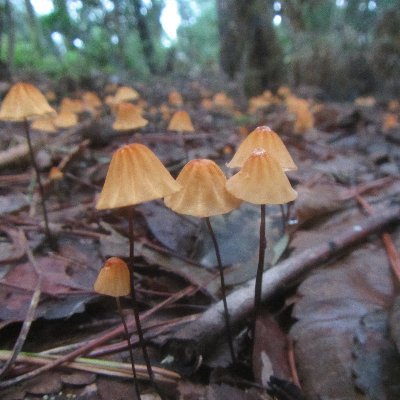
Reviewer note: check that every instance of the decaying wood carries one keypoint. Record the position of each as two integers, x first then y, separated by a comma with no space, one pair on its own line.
209,327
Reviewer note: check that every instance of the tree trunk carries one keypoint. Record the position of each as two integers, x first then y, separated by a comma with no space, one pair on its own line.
10,25
34,28
248,43
145,37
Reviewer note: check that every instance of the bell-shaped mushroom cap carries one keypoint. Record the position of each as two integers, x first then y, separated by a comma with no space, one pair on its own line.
125,93
265,138
135,175
113,279
65,119
44,124
128,117
24,101
261,181
91,101
72,105
203,193
180,122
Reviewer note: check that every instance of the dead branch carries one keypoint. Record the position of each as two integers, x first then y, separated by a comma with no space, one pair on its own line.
209,327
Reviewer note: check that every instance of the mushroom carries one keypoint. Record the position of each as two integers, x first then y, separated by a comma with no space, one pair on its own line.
23,102
128,117
263,137
203,194
261,181
180,122
65,119
135,175
113,280
125,93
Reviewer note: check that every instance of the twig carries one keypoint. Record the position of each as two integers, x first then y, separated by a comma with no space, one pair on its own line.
30,315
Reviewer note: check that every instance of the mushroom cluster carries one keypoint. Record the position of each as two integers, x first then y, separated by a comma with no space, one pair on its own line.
136,175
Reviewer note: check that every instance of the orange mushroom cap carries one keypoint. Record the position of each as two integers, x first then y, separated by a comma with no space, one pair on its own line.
135,175
180,122
65,119
261,181
44,124
203,193
175,98
24,101
128,117
113,279
125,93
72,105
265,138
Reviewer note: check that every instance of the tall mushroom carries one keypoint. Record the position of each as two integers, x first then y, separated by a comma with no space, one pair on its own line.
261,181
113,280
203,194
22,103
135,175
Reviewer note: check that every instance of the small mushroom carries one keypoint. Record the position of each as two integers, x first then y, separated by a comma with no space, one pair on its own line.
261,181
263,137
113,280
129,117
23,102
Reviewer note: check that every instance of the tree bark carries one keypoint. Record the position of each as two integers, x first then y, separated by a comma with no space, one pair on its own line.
248,43
34,28
145,37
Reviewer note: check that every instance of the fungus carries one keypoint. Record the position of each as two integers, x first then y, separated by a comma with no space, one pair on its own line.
44,124
203,195
91,101
125,93
263,137
23,102
181,123
113,280
128,117
261,181
72,105
175,98
135,175
65,119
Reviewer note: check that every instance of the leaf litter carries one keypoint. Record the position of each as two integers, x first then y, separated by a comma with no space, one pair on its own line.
341,316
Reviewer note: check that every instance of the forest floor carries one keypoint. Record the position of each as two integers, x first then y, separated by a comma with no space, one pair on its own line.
330,320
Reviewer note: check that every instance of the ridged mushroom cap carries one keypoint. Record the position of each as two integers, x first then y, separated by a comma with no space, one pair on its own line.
261,181
24,101
113,279
203,192
128,117
135,175
265,138
180,122
125,93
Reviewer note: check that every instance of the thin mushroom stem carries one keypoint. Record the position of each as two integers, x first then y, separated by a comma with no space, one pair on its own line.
223,290
135,379
135,307
49,237
260,267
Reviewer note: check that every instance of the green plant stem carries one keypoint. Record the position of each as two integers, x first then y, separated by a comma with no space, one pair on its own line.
52,243
135,380
134,301
260,267
223,290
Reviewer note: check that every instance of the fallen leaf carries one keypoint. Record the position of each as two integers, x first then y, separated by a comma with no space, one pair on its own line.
333,301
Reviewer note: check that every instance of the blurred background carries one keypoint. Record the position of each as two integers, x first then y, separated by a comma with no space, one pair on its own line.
339,49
